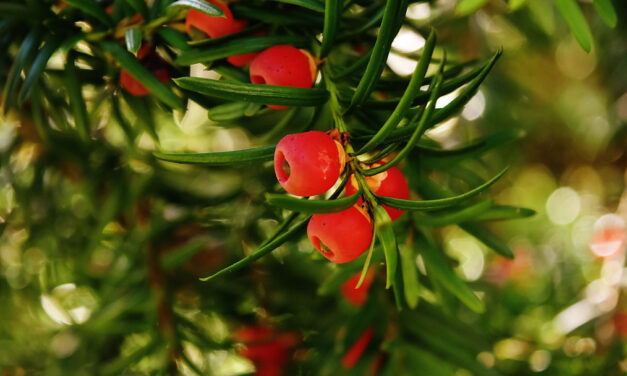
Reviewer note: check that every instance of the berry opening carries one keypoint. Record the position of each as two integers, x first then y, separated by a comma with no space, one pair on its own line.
257,80
283,173
320,246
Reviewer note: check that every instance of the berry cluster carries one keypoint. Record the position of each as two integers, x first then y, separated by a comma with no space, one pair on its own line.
309,164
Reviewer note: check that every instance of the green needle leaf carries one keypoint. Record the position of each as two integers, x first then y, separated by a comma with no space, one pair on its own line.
332,16
412,90
469,213
487,238
38,66
312,206
236,47
77,102
200,5
438,203
27,49
265,94
411,286
394,11
141,74
576,22
606,11
133,39
385,233
437,266
262,251
228,158
499,213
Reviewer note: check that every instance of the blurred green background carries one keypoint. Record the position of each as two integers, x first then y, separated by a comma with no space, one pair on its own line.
70,293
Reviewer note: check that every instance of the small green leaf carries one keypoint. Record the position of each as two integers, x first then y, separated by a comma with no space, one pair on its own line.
228,111
516,4
38,66
385,233
437,266
394,11
92,8
179,256
499,213
438,203
410,275
133,39
236,47
466,7
228,158
412,90
265,94
312,206
27,50
332,16
606,11
174,38
262,251
77,102
466,214
308,4
200,5
141,74
576,22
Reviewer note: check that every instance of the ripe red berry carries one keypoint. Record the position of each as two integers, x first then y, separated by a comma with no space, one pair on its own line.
283,66
389,183
309,163
343,236
215,27
269,351
357,297
351,357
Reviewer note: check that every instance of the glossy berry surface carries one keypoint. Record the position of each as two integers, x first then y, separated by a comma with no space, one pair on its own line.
214,27
309,163
352,356
343,236
389,183
357,297
283,65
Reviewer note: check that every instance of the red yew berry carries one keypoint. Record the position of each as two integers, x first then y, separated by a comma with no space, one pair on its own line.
389,183
351,357
270,352
357,297
343,236
283,66
215,27
309,163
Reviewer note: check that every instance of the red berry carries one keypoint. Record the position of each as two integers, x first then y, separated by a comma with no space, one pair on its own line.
389,183
309,163
283,66
215,27
357,297
130,84
351,357
343,236
267,350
